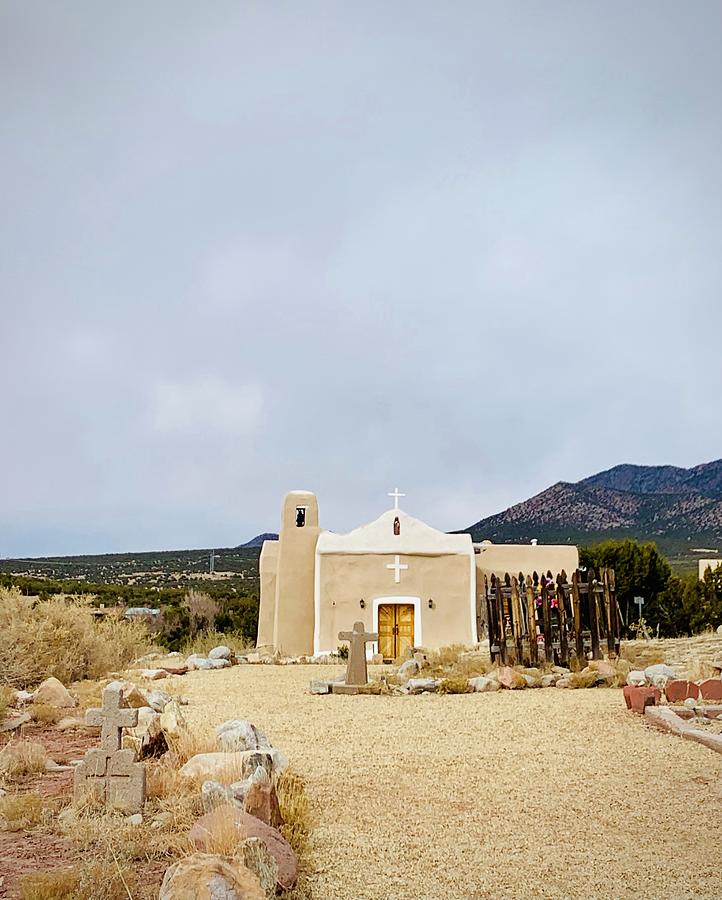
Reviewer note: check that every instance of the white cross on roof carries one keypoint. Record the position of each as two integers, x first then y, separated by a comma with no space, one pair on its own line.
396,494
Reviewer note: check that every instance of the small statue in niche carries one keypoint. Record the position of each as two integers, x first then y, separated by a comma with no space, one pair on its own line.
397,526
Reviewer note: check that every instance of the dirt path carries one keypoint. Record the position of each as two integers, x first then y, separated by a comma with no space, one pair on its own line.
537,793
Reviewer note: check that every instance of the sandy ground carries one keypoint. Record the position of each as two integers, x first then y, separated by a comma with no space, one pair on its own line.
536,793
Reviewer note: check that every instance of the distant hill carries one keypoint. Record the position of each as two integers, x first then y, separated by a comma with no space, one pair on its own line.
680,509
258,540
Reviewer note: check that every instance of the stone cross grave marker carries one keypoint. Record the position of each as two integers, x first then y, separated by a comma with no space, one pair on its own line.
108,773
356,671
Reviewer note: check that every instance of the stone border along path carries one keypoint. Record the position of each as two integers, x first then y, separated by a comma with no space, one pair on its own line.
515,794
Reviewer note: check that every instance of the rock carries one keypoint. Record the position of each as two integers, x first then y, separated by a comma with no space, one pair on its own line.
636,678
531,681
219,663
259,859
511,679
203,876
68,723
420,685
253,657
215,794
262,802
550,680
659,674
175,670
565,681
483,685
229,767
154,674
14,721
53,693
711,689
560,670
240,734
638,698
220,652
23,696
135,697
606,669
195,661
153,742
158,700
204,830
171,719
135,819
678,689
320,686
409,669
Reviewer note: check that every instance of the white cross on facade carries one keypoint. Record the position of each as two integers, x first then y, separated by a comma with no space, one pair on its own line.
397,566
396,494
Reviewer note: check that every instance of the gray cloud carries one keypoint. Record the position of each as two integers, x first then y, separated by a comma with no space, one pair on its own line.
467,249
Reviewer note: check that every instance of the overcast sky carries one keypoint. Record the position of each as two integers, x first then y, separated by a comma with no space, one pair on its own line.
469,249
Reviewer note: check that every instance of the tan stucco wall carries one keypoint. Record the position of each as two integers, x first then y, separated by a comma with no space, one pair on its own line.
267,568
498,559
343,580
294,612
705,564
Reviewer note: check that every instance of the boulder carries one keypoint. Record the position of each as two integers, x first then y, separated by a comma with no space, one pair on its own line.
220,652
203,876
320,686
262,802
230,767
483,685
171,719
550,680
420,685
219,663
195,661
175,670
153,742
636,678
711,689
15,721
215,794
203,832
53,693
564,681
606,669
659,674
531,681
154,674
135,697
511,679
259,859
408,669
23,696
678,689
240,734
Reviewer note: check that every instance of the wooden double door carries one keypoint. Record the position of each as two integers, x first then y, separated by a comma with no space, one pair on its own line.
396,629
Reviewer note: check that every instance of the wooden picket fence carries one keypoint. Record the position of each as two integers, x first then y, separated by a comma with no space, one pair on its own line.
533,619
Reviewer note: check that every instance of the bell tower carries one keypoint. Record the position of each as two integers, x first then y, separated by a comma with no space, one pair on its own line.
294,613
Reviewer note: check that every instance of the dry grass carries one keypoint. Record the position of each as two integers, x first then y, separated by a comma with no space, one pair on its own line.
60,637
7,695
297,828
188,742
21,758
91,880
209,638
691,657
19,812
454,685
44,714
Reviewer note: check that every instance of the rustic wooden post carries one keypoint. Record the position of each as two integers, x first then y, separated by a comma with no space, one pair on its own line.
609,611
531,621
618,611
547,621
490,618
593,615
561,609
499,597
577,600
518,620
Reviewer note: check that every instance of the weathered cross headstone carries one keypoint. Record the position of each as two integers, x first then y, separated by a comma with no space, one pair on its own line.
108,773
356,671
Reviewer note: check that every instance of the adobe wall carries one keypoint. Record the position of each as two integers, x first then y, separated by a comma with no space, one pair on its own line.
267,569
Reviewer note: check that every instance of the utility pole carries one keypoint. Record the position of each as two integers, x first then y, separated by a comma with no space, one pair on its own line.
212,562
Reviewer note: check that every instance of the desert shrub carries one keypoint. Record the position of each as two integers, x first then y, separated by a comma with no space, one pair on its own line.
20,811
44,714
202,610
6,700
60,637
206,640
454,685
20,758
297,827
342,651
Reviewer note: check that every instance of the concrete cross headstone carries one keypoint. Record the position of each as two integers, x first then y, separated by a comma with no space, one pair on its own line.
108,773
356,671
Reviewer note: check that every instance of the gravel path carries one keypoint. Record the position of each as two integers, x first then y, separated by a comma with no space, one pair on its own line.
536,793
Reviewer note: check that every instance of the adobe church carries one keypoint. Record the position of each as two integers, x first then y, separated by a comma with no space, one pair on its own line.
414,585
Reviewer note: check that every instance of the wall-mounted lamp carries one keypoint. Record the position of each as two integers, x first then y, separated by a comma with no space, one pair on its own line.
431,603
362,604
